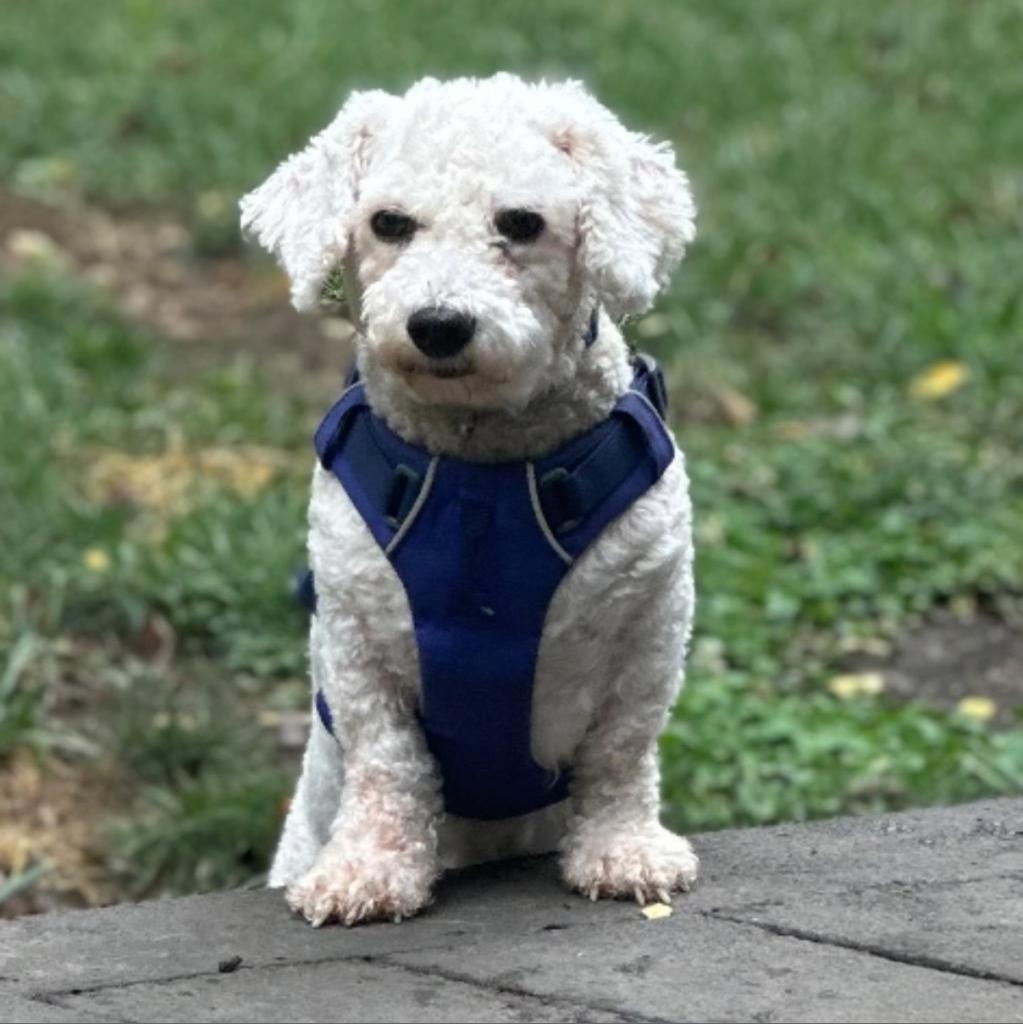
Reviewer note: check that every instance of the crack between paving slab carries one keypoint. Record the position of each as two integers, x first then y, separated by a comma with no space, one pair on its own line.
893,883
946,883
51,996
52,999
60,998
100,986
516,990
932,963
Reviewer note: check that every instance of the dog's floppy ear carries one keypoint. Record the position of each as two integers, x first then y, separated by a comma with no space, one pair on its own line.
302,213
637,214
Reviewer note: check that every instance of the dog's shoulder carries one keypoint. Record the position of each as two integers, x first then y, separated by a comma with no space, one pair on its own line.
641,560
652,532
342,549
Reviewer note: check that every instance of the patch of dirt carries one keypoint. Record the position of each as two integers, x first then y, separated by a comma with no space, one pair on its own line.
950,657
47,815
147,263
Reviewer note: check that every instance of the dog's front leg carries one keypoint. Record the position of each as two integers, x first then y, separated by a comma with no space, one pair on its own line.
615,844
380,861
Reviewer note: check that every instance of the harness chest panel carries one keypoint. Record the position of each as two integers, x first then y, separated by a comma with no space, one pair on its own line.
480,549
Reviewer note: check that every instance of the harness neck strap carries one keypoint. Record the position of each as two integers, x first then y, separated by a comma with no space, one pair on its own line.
571,482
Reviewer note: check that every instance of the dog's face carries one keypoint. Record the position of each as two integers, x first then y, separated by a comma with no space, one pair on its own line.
463,242
478,223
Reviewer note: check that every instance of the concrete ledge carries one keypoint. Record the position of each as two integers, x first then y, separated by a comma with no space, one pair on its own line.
915,916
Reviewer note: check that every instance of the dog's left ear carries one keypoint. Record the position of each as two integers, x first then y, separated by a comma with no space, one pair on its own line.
637,213
302,213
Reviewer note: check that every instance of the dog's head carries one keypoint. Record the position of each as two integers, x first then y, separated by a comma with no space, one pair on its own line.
478,224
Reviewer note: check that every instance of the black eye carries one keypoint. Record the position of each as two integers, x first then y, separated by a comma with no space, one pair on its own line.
392,226
519,225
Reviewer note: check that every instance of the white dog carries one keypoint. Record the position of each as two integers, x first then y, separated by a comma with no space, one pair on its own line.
492,234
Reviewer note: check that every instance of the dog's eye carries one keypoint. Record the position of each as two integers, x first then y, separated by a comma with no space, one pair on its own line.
519,225
392,226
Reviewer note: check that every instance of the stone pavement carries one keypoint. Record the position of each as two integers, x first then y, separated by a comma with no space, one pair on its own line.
915,916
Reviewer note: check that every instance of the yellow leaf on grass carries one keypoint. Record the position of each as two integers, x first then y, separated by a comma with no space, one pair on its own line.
981,709
939,379
96,559
857,684
656,911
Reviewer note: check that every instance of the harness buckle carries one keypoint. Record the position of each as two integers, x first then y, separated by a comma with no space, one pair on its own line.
651,381
401,494
564,506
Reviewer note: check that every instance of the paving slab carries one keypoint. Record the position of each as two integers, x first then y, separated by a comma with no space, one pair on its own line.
350,990
916,917
941,887
694,968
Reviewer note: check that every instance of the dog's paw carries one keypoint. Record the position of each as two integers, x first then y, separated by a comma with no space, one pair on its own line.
645,866
353,890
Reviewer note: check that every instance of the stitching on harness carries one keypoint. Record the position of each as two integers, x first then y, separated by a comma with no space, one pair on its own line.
534,500
417,505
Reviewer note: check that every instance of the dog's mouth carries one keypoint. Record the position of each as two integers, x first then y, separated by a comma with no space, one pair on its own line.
460,383
440,371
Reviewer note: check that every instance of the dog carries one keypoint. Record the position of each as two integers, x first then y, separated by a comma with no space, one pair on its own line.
492,660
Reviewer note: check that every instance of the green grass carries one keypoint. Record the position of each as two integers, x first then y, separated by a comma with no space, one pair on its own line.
197,821
198,784
737,753
861,194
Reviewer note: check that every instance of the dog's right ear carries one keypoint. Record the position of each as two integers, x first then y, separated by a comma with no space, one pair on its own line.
302,213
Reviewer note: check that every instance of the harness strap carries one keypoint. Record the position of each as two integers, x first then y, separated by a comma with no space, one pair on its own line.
304,590
571,483
569,496
569,493
391,484
649,382
323,711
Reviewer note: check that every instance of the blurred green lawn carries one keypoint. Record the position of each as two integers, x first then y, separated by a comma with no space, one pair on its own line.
859,170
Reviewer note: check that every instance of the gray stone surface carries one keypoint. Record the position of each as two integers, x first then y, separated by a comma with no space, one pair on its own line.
349,990
917,916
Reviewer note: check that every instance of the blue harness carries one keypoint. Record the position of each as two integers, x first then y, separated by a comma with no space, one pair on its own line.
480,549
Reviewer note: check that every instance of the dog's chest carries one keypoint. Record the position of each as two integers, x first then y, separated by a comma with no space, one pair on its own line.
478,577
464,602
479,551
369,622
474,562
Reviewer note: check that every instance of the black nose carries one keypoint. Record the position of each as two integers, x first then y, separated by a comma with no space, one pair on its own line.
439,331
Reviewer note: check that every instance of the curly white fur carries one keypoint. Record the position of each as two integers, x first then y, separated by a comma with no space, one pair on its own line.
367,836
